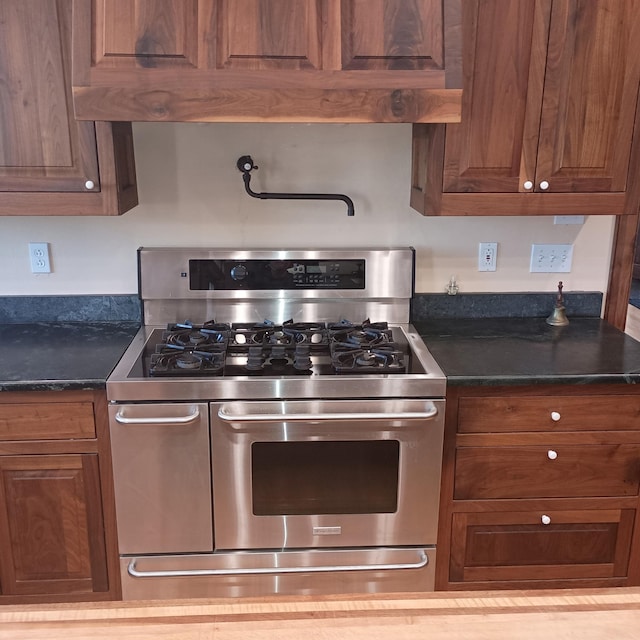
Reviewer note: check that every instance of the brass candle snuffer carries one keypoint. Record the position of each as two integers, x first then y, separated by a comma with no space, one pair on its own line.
558,317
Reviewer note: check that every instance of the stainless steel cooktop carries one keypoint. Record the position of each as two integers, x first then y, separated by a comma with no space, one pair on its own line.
224,324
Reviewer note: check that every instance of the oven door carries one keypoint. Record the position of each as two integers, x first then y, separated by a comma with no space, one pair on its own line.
162,477
326,473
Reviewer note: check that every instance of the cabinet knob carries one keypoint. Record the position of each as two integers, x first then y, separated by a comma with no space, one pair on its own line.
551,454
89,184
544,185
528,184
555,416
545,519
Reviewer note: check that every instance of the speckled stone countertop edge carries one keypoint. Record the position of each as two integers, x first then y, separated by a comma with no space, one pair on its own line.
53,385
513,381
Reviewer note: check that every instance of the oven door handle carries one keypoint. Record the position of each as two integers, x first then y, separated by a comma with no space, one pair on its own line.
421,561
191,417
226,416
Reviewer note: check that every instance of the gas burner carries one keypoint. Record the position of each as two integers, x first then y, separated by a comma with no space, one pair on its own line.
190,335
170,362
187,361
209,325
385,358
363,336
365,324
187,337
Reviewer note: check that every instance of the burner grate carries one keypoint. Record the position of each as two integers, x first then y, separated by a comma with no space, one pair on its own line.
286,349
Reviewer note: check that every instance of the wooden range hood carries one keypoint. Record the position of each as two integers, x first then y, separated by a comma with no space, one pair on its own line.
267,60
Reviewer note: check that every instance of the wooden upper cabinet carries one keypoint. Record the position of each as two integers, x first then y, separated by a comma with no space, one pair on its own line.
548,114
268,60
51,163
590,87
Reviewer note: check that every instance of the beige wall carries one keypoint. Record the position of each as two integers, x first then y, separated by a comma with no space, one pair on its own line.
192,194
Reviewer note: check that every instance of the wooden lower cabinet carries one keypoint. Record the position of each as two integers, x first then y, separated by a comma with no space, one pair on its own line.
57,525
514,548
51,517
540,488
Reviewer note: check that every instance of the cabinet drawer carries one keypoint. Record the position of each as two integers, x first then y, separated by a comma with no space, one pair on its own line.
47,421
548,413
517,546
546,472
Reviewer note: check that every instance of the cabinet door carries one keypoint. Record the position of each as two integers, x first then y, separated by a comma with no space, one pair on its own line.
590,92
42,146
147,33
507,550
269,34
51,163
504,51
392,34
51,526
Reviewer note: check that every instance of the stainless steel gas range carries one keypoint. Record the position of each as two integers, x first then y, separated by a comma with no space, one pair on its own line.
276,426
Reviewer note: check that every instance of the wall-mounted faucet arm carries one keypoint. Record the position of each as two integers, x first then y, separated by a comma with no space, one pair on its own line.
245,164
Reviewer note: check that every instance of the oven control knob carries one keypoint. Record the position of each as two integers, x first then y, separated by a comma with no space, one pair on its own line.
239,272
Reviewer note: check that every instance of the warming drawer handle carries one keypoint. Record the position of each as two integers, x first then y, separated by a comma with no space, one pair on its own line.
297,417
422,561
122,419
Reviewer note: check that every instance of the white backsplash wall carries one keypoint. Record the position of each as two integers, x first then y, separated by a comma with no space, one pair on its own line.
192,194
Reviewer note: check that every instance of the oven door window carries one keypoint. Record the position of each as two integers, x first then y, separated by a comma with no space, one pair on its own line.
325,477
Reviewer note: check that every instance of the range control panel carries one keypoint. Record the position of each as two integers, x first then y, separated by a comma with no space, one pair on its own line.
261,275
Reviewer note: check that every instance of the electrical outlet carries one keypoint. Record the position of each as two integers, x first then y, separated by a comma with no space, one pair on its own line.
487,256
39,257
551,258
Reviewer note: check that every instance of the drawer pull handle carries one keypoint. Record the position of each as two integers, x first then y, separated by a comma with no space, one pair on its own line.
545,519
551,454
555,416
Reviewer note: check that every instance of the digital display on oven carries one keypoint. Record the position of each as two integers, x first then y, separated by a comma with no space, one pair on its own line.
230,275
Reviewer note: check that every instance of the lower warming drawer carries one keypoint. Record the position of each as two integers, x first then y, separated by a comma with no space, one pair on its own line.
253,574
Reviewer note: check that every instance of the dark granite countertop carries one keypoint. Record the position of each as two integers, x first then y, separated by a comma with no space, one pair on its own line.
498,351
54,356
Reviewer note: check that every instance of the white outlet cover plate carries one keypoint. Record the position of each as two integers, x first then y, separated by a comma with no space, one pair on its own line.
39,257
487,256
551,258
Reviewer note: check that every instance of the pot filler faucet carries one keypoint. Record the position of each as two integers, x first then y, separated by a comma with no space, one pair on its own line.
245,164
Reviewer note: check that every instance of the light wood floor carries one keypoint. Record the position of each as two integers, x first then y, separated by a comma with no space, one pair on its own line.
633,322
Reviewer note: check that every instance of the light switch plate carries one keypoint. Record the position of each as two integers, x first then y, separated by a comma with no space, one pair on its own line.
568,219
551,258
